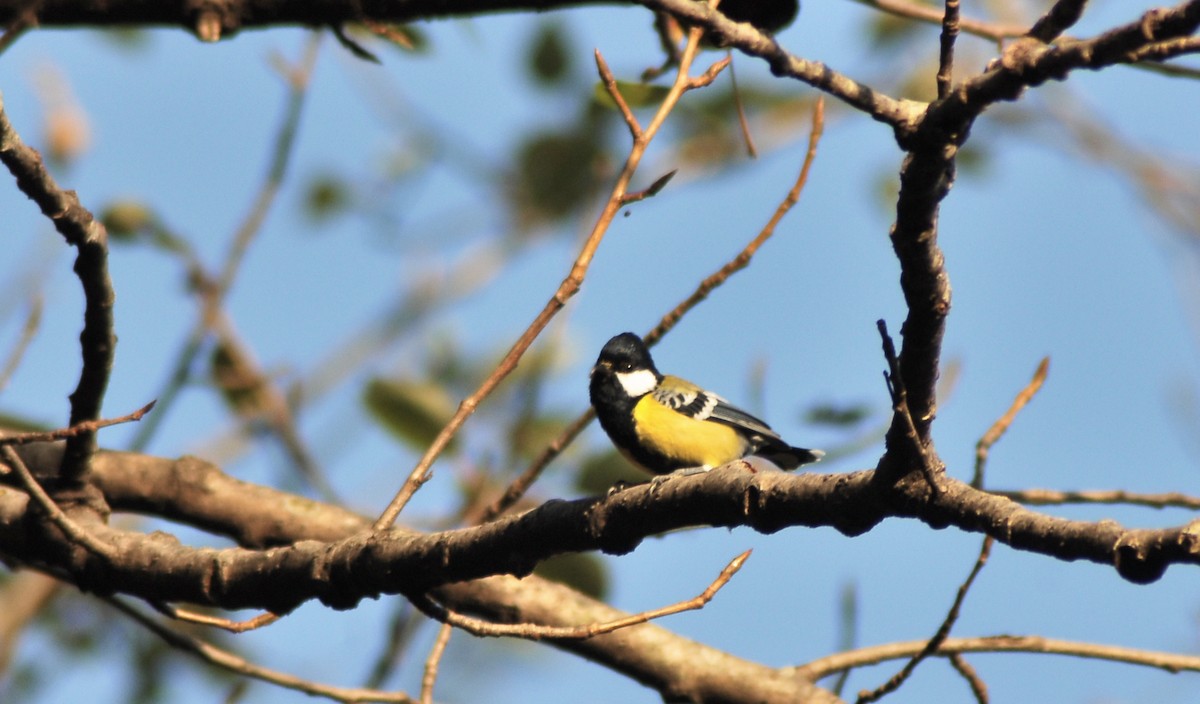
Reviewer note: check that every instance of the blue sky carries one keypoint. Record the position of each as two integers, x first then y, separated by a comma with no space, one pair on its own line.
1047,254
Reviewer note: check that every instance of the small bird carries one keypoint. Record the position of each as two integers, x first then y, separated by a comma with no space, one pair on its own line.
666,425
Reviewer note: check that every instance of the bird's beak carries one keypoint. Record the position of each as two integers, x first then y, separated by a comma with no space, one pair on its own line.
603,363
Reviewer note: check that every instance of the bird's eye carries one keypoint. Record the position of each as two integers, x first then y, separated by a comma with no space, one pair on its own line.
626,366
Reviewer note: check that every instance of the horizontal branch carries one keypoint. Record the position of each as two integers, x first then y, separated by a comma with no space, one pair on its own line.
838,662
340,571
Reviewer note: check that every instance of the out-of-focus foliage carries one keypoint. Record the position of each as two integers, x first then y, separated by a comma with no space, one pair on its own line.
584,572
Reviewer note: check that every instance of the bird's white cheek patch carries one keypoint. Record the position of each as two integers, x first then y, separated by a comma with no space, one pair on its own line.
637,383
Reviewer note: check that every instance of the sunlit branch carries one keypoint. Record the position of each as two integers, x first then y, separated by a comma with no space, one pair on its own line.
938,638
89,426
260,621
1000,427
569,286
740,261
238,665
75,532
429,676
533,631
873,655
950,27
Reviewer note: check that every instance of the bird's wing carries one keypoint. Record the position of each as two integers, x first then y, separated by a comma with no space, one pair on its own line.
694,402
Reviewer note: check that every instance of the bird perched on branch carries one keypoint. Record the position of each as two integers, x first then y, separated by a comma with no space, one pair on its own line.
665,424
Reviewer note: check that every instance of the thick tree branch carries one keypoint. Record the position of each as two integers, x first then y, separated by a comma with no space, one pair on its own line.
346,570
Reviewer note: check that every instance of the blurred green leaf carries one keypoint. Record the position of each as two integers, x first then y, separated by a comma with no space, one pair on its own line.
973,159
837,415
126,220
529,436
126,38
549,57
636,94
600,471
237,381
886,31
583,572
325,196
413,411
408,38
557,172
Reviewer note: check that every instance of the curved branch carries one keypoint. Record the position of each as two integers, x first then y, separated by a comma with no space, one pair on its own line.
1171,662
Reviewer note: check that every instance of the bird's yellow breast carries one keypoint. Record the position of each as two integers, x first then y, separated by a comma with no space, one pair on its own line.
683,439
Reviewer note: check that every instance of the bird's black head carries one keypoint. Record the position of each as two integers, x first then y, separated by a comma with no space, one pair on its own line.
625,353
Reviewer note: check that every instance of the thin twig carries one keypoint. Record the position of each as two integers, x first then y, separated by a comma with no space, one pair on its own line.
532,631
976,683
1053,497
33,320
569,286
651,190
70,528
238,665
873,655
89,426
938,638
213,289
994,433
429,676
260,621
742,260
848,631
896,389
610,85
945,74
998,32
522,483
743,122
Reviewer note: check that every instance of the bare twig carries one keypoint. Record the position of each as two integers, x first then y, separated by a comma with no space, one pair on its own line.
950,22
978,687
569,286
32,321
651,190
848,629
213,289
83,231
429,676
260,621
901,411
938,638
520,485
994,433
743,122
998,32
70,528
89,426
1052,497
532,631
238,665
610,86
873,655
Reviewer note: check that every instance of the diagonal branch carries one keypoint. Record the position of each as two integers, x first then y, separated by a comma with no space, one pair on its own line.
569,286
98,340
